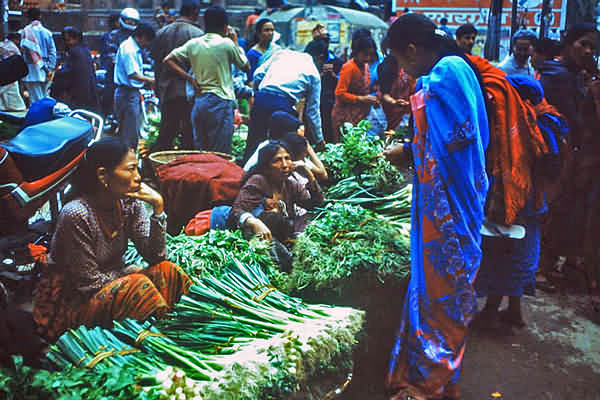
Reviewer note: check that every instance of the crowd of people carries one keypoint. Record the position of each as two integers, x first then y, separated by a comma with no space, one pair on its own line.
492,147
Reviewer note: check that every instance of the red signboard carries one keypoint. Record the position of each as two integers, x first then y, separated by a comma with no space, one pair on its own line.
476,12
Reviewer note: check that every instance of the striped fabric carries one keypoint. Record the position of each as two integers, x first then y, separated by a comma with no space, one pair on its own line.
140,295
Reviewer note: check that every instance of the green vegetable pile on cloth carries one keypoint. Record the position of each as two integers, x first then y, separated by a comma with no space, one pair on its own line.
345,244
225,333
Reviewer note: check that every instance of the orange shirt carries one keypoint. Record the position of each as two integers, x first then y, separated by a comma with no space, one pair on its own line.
352,79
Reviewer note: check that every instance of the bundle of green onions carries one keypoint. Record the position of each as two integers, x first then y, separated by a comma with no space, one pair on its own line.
397,204
218,334
98,348
215,318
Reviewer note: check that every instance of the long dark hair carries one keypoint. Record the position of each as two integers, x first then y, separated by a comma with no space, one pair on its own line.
258,28
265,155
419,30
107,152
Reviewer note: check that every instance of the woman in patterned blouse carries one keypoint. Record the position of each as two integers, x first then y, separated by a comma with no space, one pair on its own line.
86,281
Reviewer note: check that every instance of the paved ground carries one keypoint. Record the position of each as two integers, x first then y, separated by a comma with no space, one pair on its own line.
556,357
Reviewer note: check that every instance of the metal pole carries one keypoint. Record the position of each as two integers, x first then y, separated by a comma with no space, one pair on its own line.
543,21
492,43
514,23
4,22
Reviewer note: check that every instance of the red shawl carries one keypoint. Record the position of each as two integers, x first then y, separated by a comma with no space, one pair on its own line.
516,143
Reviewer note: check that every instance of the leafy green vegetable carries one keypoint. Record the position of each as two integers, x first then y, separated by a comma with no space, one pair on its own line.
345,243
238,146
354,155
72,383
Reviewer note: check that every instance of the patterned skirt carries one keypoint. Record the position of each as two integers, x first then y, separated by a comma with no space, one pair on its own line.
151,292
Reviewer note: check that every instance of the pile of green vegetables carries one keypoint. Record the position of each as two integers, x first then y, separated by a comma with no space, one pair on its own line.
110,382
8,130
230,306
238,146
360,175
354,155
211,253
152,130
345,244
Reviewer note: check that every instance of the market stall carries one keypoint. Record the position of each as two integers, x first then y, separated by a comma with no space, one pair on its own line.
246,329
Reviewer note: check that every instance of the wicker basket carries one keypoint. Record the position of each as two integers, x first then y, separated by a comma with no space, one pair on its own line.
164,157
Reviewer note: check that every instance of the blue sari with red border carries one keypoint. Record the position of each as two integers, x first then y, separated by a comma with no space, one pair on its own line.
449,191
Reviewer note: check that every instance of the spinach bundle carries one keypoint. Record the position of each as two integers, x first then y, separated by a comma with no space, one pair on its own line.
346,243
210,253
355,154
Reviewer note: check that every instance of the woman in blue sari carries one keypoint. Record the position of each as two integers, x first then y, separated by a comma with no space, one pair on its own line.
263,47
449,190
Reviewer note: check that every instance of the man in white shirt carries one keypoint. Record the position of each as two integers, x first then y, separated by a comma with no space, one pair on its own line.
518,61
129,79
280,83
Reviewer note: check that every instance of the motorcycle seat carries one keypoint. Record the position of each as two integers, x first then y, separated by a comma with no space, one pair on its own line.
41,149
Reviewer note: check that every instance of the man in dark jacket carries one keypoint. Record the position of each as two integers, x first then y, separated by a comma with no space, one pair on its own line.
175,108
75,81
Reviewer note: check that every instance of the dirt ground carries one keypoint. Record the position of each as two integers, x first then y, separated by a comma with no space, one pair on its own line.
556,357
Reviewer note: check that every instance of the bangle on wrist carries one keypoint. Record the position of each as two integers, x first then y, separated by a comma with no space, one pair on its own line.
245,217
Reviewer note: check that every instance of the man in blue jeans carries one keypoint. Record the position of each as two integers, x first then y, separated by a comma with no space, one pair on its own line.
211,57
129,79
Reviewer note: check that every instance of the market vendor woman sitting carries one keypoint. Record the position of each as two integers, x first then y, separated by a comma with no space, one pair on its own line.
86,281
269,182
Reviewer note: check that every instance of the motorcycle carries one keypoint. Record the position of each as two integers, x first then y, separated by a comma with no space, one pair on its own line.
35,170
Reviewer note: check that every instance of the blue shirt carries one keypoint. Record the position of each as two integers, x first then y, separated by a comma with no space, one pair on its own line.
128,62
510,66
294,75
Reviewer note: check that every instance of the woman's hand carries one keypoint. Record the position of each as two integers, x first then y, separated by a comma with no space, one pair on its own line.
302,165
150,196
259,228
397,156
401,102
372,100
